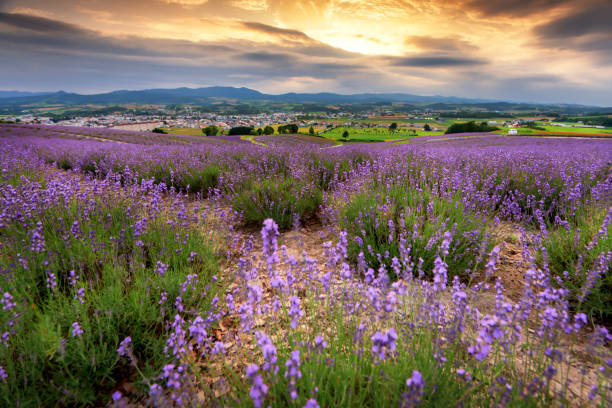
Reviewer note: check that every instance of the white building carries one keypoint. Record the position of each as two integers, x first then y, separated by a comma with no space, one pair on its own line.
512,131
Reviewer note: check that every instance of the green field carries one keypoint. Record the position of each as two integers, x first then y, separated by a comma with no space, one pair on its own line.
559,130
375,134
376,119
562,129
184,131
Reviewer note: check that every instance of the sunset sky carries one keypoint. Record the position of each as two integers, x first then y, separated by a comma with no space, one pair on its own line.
533,50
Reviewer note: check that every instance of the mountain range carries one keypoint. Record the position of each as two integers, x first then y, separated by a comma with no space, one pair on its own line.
205,95
216,94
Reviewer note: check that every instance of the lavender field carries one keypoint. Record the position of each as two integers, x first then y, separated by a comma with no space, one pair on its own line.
160,270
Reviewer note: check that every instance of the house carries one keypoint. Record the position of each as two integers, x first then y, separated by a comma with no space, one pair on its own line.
512,132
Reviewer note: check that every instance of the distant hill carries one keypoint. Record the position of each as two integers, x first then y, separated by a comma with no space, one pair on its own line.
210,94
220,94
17,94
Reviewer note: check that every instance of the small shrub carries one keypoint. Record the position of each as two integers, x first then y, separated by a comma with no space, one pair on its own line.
410,225
114,263
201,181
576,255
283,201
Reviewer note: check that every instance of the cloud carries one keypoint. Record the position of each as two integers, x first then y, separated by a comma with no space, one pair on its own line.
439,44
449,49
585,31
251,5
436,61
40,24
276,31
187,2
266,57
597,20
69,52
514,7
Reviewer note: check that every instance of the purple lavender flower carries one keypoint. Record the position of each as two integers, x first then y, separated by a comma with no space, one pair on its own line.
383,343
259,389
269,233
124,347
414,395
80,295
72,278
440,275
312,403
293,373
320,343
269,352
51,282
295,311
7,301
76,330
161,268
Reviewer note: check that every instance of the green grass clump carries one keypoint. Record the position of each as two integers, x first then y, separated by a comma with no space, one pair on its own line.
571,255
121,296
284,201
381,223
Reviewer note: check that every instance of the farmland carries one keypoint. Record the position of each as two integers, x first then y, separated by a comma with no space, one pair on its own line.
143,269
374,134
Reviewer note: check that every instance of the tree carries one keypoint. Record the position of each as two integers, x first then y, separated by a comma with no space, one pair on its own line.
345,135
393,127
210,130
268,130
470,127
427,128
311,131
288,129
159,130
259,131
240,130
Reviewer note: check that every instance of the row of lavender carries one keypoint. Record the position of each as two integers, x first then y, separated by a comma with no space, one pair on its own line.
85,263
340,333
465,185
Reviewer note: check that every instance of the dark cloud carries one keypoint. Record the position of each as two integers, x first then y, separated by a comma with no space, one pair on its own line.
39,24
40,34
49,55
542,79
585,31
514,7
266,57
336,67
93,58
276,31
299,42
435,61
597,20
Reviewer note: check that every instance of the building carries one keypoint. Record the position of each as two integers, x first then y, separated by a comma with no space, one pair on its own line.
512,131
140,126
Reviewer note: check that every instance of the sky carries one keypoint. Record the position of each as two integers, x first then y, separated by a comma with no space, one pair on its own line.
520,50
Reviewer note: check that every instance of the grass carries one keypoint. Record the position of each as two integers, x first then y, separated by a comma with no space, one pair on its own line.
559,130
406,205
285,201
571,257
375,134
184,131
116,268
409,225
572,129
